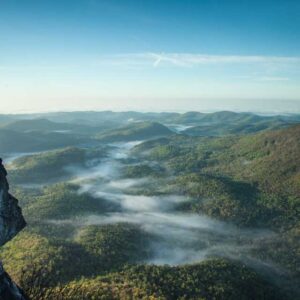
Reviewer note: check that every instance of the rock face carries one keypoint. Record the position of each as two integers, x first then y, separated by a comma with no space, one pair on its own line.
11,222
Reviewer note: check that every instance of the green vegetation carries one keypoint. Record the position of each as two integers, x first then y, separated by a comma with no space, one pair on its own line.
241,127
251,180
39,261
11,142
222,198
142,170
284,249
135,131
62,201
224,169
46,166
45,125
115,245
213,279
36,125
51,165
14,142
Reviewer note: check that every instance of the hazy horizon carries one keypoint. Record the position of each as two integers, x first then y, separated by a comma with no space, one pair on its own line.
149,56
255,106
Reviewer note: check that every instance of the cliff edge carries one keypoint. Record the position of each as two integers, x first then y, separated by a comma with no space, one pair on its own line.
11,222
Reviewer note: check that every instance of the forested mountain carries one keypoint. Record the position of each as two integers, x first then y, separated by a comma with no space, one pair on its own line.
46,126
15,142
141,209
136,131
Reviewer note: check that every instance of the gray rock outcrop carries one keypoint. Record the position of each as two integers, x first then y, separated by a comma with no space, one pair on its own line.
11,222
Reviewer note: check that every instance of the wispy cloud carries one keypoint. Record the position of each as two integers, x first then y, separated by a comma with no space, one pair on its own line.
177,60
191,59
186,59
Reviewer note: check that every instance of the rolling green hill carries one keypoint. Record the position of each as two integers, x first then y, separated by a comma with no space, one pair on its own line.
244,126
213,279
37,125
135,131
62,201
14,142
46,126
93,122
238,168
51,165
253,178
49,269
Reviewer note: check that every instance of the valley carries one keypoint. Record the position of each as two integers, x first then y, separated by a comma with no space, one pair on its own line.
206,202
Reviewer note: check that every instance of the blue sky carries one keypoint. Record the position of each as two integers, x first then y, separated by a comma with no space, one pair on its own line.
149,55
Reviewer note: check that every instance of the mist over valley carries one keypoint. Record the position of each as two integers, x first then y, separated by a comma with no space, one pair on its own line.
158,190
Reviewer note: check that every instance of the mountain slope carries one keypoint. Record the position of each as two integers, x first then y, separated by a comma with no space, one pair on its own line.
47,126
272,159
13,142
136,131
241,127
212,279
36,125
52,166
248,179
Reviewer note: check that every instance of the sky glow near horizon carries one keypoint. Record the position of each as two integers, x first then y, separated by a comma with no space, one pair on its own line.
149,55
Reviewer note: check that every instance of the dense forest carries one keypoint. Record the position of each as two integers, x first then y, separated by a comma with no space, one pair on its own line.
154,206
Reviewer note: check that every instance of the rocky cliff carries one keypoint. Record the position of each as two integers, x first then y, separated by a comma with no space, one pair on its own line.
11,222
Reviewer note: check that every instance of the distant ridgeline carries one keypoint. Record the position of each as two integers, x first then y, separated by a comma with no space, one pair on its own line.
11,222
40,132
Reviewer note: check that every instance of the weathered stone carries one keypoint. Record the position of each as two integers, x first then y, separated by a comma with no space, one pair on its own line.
11,222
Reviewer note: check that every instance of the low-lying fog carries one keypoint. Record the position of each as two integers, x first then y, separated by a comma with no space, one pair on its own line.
176,237
180,238
178,128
